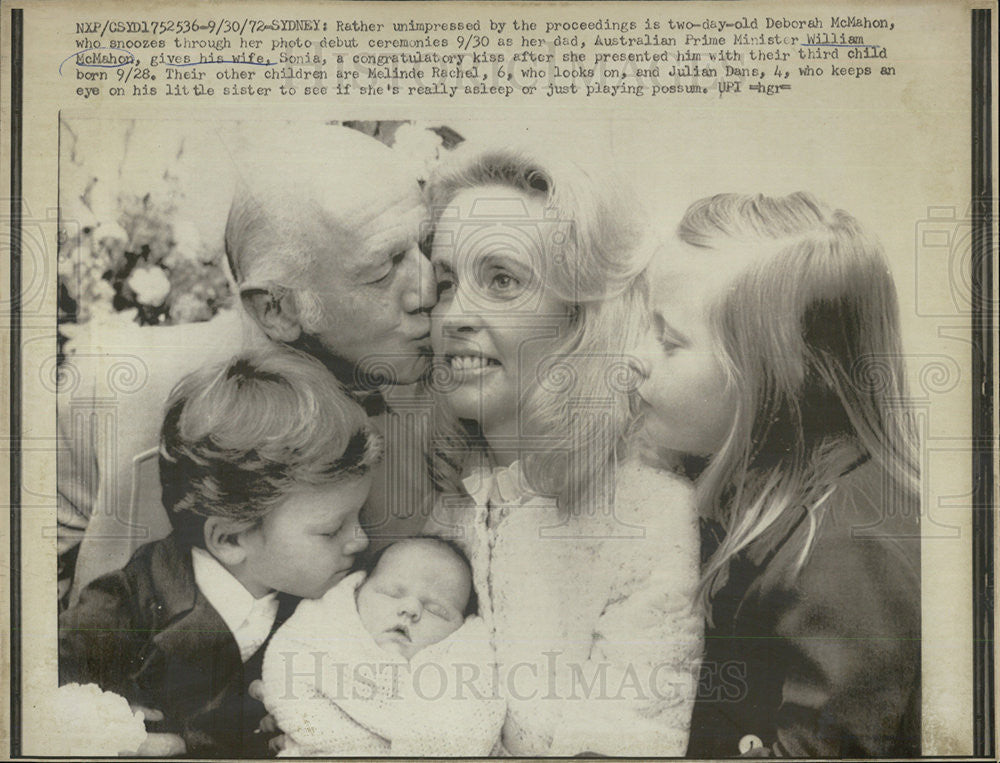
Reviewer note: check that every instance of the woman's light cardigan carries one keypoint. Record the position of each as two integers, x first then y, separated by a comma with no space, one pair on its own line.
591,616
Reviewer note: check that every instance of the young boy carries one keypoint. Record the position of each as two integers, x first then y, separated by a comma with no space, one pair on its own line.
264,465
393,663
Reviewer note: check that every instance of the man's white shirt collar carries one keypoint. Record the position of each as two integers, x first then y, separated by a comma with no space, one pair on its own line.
250,620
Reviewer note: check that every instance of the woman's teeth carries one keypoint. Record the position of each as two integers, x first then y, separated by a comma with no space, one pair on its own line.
471,362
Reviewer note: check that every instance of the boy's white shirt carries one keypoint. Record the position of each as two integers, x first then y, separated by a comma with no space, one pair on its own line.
249,619
323,711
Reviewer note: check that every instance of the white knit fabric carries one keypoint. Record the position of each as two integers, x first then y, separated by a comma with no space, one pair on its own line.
592,618
333,691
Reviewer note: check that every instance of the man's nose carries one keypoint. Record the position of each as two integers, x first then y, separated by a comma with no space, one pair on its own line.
420,289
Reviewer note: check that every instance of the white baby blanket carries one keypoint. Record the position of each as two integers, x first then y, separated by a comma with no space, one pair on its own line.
334,691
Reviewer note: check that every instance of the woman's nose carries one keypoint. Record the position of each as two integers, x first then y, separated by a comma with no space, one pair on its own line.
457,314
420,289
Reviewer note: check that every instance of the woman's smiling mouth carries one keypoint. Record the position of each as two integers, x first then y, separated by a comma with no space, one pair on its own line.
468,363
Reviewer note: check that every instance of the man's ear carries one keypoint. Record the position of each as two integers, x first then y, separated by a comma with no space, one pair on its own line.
274,312
226,540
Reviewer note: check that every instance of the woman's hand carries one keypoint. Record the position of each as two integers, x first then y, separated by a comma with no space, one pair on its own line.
277,744
268,726
158,744
256,690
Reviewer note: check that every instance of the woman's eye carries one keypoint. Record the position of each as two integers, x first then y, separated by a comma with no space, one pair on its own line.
504,282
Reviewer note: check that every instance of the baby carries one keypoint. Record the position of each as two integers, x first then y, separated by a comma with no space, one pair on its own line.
419,592
393,661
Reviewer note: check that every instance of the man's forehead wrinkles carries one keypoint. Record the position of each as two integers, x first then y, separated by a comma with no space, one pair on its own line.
390,231
405,211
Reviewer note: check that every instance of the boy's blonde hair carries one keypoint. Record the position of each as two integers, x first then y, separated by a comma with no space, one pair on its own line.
811,342
237,437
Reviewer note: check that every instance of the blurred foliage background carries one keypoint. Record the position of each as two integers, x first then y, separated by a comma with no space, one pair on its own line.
142,216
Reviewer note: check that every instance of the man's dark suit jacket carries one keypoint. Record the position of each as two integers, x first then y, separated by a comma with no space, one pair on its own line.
825,663
147,633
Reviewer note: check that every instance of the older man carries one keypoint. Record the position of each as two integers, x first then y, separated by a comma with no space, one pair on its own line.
323,239
326,256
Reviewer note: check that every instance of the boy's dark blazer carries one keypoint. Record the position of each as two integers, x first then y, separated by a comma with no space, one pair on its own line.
148,633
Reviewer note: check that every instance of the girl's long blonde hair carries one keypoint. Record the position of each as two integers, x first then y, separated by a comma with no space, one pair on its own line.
575,416
811,342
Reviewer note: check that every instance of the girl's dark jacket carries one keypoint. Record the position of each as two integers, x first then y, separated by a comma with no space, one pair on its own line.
825,662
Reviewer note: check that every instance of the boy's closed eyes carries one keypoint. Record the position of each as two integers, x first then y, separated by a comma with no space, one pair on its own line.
307,544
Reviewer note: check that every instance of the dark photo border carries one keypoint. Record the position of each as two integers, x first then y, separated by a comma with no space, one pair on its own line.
16,86
984,445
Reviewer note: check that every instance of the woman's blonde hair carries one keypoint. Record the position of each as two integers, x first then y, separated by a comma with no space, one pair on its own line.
811,342
576,413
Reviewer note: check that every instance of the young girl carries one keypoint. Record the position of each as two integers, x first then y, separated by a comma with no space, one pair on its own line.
779,363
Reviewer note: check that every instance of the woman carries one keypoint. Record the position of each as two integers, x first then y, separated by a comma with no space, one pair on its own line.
584,553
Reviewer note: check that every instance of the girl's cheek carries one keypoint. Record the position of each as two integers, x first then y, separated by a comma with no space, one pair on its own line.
662,387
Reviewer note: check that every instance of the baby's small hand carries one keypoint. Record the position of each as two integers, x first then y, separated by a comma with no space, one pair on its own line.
157,744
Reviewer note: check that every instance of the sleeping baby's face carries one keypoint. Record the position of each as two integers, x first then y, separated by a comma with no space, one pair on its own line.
415,596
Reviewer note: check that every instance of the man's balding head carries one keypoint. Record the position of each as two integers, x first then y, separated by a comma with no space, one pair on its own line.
322,238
